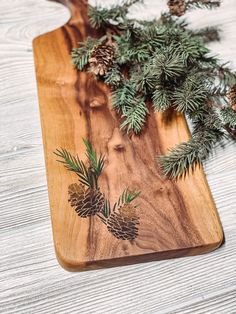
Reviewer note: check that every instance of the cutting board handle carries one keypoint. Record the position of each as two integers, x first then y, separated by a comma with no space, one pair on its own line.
78,10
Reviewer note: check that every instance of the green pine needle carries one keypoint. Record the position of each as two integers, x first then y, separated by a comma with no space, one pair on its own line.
203,4
96,163
135,116
101,17
87,175
228,116
191,99
124,96
126,197
188,155
73,163
180,159
81,55
168,65
114,77
162,98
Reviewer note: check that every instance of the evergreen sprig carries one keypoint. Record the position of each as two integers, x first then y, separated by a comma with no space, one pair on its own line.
188,155
80,56
88,175
166,63
97,163
203,4
228,115
135,116
102,17
126,197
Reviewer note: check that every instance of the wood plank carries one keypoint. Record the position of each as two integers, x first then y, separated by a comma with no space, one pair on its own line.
176,219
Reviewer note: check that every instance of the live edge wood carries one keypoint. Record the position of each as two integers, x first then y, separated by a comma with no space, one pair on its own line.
176,218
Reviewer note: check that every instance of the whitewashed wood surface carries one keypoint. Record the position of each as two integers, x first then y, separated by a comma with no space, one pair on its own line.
31,281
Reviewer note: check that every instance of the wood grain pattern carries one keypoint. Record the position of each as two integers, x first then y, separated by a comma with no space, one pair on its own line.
176,219
31,281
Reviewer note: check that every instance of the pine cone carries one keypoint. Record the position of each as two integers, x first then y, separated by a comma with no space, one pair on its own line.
123,225
232,97
86,201
102,59
177,7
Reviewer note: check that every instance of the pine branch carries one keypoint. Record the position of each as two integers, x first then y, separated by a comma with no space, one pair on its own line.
207,34
145,78
123,96
87,175
81,55
203,4
153,35
162,98
98,17
73,163
103,17
135,116
190,99
168,65
226,75
186,156
188,47
228,116
114,77
180,160
126,197
96,163
206,119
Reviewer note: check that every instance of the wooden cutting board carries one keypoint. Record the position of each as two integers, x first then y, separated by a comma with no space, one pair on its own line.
176,218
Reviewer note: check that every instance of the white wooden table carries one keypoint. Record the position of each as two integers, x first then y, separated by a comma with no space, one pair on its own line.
31,281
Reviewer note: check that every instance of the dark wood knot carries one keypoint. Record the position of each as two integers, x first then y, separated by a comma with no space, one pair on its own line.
119,147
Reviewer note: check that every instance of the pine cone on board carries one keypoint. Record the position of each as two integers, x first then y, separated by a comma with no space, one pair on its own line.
177,7
86,201
123,224
232,97
102,59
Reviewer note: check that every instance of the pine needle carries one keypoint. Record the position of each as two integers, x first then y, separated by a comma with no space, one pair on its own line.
73,163
188,155
87,175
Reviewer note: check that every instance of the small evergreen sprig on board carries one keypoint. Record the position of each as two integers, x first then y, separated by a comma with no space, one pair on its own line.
87,175
165,63
87,199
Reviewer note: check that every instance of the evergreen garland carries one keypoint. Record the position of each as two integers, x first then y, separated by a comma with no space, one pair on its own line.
165,63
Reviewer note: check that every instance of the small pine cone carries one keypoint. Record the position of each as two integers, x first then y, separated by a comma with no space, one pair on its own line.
123,225
86,201
177,7
102,59
232,97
